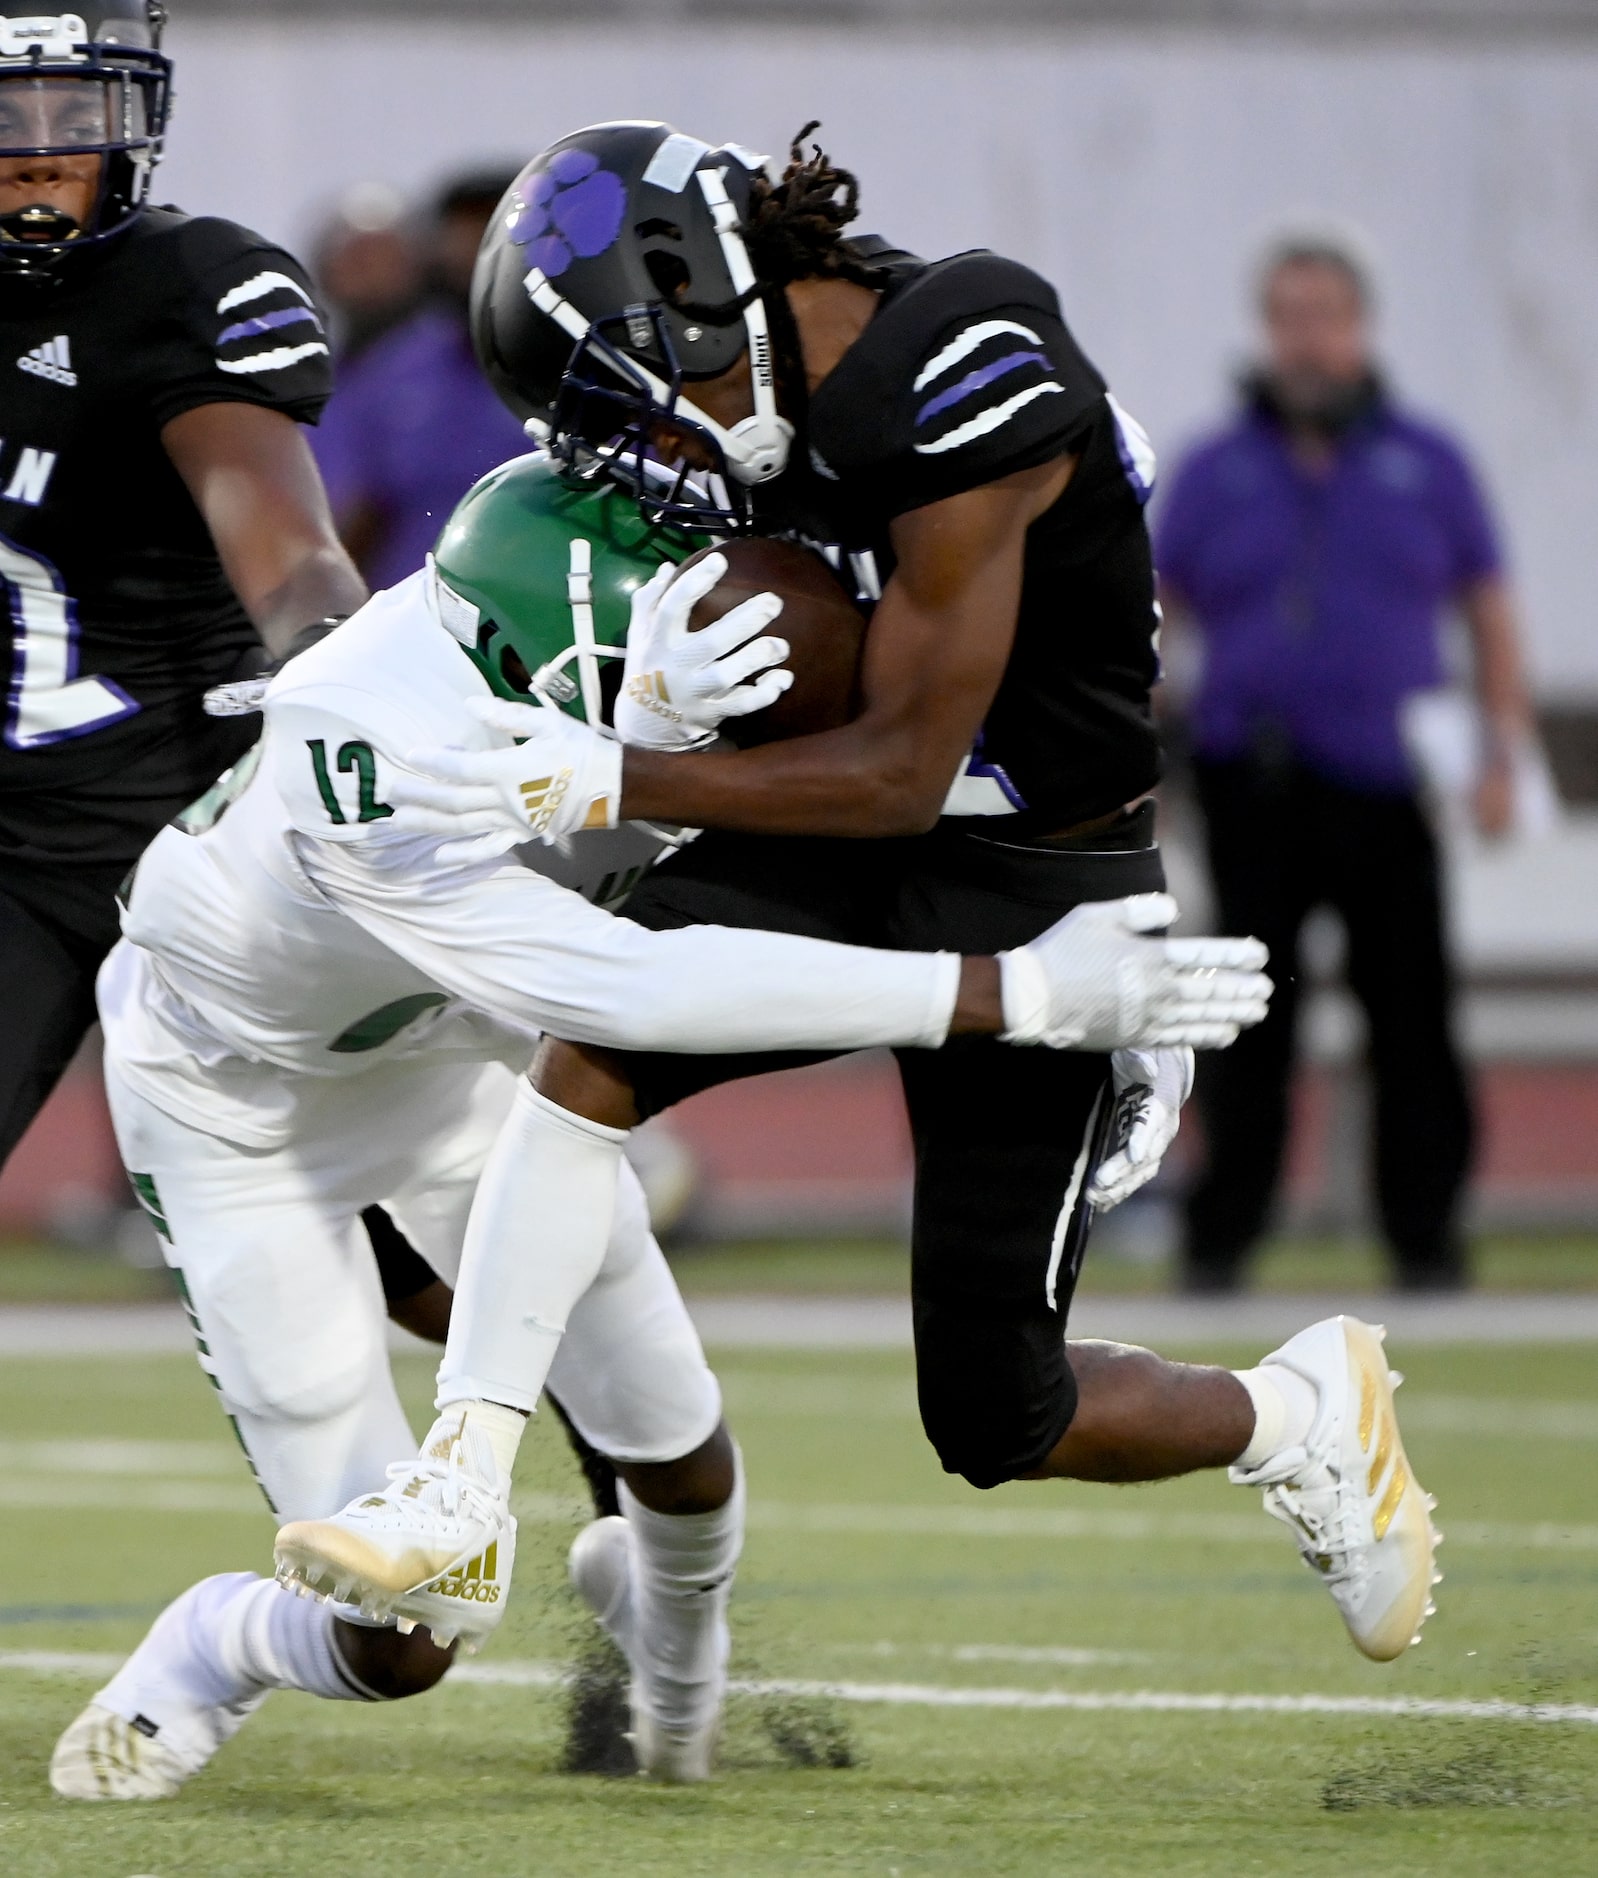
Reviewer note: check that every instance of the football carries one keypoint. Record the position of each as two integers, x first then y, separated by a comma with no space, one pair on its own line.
822,624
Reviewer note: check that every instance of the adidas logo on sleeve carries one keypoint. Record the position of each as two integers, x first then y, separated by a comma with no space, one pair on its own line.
52,360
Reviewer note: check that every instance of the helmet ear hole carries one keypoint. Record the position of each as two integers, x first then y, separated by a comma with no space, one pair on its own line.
514,669
611,672
669,272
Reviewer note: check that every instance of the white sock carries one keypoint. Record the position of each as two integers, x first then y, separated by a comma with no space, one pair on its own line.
502,1428
213,1655
268,1637
537,1236
1284,1409
683,1571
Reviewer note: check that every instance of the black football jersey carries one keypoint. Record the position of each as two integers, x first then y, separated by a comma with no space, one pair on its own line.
115,614
966,374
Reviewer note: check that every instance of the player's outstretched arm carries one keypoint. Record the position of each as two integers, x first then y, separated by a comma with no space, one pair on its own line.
253,478
514,944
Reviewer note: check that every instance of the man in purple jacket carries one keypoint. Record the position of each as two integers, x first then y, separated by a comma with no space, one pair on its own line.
1317,543
413,423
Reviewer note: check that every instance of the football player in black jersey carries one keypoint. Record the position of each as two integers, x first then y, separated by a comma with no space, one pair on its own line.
643,297
668,314
160,513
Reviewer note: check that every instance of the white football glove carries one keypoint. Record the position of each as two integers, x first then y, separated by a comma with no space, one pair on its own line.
1150,1088
1096,981
562,777
678,684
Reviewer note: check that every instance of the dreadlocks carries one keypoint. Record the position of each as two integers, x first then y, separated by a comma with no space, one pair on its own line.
794,229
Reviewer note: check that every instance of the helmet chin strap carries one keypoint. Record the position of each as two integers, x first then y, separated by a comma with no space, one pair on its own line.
757,447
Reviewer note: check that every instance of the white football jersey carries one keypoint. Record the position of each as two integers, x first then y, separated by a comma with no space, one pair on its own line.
284,923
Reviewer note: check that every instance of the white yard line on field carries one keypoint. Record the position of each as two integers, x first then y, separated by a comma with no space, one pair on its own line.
42,1492
1134,1528
766,1321
92,1665
64,1493
784,1398
1495,1417
826,1397
114,1454
1049,1655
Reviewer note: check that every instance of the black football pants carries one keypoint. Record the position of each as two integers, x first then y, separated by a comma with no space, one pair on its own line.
56,925
1005,1138
1281,843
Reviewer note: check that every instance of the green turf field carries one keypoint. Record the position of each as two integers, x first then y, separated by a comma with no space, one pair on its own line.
868,1570
1552,1261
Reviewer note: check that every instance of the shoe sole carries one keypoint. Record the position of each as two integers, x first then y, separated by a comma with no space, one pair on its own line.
325,1561
1404,1500
672,1763
335,1562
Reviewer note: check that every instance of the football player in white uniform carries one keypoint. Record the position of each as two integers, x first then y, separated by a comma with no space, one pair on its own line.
311,1012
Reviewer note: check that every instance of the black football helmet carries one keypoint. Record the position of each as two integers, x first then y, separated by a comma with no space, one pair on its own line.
612,278
74,85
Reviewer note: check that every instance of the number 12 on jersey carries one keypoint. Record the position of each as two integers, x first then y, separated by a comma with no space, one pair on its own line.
356,757
46,699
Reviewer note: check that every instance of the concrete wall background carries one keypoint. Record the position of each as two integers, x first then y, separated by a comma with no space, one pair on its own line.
1136,168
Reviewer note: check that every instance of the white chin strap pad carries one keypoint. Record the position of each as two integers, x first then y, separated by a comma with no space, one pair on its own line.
757,448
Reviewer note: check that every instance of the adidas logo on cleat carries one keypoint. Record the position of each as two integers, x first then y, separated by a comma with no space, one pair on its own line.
475,1581
51,360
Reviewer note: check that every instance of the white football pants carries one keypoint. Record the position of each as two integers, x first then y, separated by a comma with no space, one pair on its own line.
283,1293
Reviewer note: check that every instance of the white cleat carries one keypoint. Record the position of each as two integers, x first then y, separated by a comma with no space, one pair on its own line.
676,1756
600,1564
676,1753
148,1730
103,1757
435,1547
1360,1519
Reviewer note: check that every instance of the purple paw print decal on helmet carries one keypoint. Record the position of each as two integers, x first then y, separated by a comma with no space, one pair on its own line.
571,210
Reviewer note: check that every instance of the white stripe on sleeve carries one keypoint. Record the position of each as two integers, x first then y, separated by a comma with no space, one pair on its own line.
258,288
990,419
275,361
964,344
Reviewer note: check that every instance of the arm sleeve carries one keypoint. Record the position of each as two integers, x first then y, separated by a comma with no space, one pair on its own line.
246,329
1472,530
539,957
536,955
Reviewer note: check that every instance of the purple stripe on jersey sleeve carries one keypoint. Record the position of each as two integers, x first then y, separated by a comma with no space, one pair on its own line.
266,323
977,764
982,376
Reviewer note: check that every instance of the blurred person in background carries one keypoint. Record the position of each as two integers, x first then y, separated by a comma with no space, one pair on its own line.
367,268
413,423
162,525
1317,543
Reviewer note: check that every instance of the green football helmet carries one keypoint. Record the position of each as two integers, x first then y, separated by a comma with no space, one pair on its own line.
535,573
